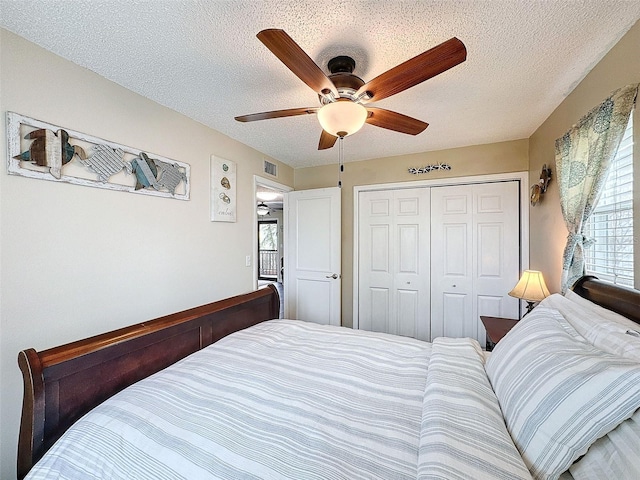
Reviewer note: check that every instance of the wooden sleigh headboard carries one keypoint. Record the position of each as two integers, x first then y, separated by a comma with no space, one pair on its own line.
61,384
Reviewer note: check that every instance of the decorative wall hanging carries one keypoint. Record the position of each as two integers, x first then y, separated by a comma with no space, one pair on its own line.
540,188
430,168
41,150
223,190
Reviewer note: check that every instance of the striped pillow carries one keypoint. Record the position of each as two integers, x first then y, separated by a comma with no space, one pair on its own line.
557,392
604,329
616,455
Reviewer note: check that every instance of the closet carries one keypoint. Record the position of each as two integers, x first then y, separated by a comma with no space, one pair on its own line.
432,259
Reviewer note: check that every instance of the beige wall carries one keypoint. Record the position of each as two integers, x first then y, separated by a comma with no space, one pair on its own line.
76,261
620,67
476,160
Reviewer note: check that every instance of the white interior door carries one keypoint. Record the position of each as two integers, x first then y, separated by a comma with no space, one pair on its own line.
313,255
476,234
393,265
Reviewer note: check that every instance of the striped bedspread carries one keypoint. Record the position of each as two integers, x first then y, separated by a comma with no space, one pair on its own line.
282,399
463,434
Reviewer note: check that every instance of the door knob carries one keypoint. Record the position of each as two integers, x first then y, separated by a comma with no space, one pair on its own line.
334,276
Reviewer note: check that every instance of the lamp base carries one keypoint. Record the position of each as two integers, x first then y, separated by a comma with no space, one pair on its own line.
529,308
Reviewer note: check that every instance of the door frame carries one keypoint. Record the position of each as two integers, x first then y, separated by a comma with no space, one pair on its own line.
265,182
522,177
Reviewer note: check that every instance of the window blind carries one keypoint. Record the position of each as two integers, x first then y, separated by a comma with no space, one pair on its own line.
611,224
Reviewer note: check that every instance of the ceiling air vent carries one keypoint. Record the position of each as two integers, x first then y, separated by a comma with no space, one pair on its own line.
270,168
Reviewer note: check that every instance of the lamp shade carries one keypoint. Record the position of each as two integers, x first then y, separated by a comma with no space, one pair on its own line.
342,118
531,287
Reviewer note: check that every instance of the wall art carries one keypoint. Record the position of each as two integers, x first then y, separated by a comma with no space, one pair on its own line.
41,150
223,190
430,168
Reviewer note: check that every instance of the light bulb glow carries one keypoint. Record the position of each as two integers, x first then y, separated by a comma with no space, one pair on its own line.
531,287
342,118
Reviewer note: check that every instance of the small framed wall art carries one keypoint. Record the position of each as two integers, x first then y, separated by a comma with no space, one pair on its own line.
223,190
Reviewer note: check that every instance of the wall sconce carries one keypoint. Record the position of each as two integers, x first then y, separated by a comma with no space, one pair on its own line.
540,188
530,287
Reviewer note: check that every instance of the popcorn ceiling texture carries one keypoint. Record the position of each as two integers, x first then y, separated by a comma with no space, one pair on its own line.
202,58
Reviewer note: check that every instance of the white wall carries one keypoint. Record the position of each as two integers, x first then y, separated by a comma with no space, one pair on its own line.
77,261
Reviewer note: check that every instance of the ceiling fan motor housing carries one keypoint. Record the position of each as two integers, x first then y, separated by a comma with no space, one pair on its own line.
346,82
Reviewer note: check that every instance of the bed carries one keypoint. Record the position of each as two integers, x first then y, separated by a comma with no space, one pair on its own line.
227,390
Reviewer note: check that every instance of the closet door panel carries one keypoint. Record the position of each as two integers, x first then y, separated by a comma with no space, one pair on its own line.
475,256
393,227
378,319
375,219
456,306
407,314
496,228
379,251
412,263
451,268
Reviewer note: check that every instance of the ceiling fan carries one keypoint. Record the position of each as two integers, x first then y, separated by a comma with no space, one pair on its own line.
343,95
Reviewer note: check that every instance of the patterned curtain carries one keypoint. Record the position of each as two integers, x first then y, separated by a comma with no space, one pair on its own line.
583,156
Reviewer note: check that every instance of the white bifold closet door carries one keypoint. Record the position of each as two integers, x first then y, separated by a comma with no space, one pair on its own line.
393,262
431,260
475,245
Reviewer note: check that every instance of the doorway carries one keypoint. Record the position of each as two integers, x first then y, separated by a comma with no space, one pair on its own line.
269,243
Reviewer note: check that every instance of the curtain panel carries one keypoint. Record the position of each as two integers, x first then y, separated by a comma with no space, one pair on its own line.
583,157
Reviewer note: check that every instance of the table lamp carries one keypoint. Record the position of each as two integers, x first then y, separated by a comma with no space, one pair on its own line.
530,287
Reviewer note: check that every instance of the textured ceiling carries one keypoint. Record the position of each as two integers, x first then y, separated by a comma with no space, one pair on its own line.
202,58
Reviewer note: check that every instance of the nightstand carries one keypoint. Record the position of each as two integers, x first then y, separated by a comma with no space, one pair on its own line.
496,327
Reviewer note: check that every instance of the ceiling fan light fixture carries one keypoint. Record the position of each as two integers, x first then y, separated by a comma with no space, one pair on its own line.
342,118
262,209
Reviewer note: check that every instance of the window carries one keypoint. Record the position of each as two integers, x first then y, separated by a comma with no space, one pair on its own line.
611,224
267,249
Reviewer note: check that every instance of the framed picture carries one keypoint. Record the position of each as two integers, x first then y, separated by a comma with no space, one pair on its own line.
223,190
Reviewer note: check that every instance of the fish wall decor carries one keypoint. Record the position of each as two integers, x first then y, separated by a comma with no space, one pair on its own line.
50,149
106,161
45,151
145,170
171,174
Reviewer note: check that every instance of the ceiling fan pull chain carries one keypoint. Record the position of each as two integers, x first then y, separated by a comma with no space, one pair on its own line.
340,161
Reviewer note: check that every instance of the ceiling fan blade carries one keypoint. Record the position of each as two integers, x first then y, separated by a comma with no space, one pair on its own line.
326,140
395,121
291,112
416,70
290,53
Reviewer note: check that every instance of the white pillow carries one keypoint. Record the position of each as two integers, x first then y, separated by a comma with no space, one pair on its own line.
616,455
603,328
608,315
558,393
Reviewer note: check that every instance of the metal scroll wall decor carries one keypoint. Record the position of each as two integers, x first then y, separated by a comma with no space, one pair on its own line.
49,152
540,188
430,168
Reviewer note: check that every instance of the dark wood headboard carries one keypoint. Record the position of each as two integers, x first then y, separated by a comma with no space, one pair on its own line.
61,384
